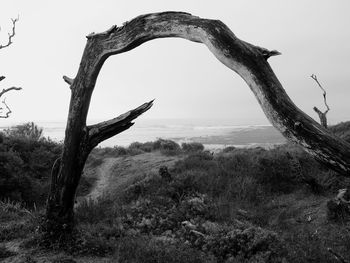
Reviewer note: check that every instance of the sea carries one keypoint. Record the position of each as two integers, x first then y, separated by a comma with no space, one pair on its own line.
213,134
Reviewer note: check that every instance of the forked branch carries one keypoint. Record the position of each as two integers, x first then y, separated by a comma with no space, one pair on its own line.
8,111
314,77
321,115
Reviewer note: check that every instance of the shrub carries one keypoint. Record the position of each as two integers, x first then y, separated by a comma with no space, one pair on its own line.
28,131
192,147
196,161
167,147
25,164
148,250
144,147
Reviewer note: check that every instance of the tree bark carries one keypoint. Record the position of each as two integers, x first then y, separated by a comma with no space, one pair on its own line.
67,170
322,116
249,61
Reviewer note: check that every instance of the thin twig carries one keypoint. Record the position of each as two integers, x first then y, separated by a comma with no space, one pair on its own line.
7,114
12,34
314,77
7,90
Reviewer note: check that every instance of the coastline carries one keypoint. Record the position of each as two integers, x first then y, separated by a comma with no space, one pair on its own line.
212,134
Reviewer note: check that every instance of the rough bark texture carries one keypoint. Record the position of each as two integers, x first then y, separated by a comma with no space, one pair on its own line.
322,116
249,61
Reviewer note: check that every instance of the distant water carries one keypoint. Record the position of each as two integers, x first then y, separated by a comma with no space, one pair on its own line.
212,133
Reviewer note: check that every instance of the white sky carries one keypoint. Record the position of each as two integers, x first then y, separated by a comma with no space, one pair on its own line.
184,77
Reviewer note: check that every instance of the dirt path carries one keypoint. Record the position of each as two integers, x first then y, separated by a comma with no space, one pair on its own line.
116,173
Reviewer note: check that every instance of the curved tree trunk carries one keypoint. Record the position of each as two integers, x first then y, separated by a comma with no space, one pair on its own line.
249,61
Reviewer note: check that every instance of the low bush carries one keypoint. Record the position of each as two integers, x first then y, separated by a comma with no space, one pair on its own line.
25,164
192,147
149,250
167,147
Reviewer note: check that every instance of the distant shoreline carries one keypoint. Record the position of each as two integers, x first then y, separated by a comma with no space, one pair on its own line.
212,134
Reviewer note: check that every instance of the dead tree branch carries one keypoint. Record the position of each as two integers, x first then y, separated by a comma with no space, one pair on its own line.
12,34
9,89
8,110
321,115
9,42
104,130
248,60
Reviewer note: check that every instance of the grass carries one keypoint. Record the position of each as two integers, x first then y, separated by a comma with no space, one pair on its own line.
257,187
15,221
5,253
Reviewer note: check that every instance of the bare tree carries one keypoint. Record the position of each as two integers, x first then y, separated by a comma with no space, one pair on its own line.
249,61
322,115
5,111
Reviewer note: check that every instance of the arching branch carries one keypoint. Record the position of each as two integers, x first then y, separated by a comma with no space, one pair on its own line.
248,60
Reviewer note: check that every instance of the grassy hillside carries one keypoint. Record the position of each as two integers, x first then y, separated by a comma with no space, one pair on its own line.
239,205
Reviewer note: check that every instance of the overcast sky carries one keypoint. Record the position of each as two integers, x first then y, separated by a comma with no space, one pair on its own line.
184,77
